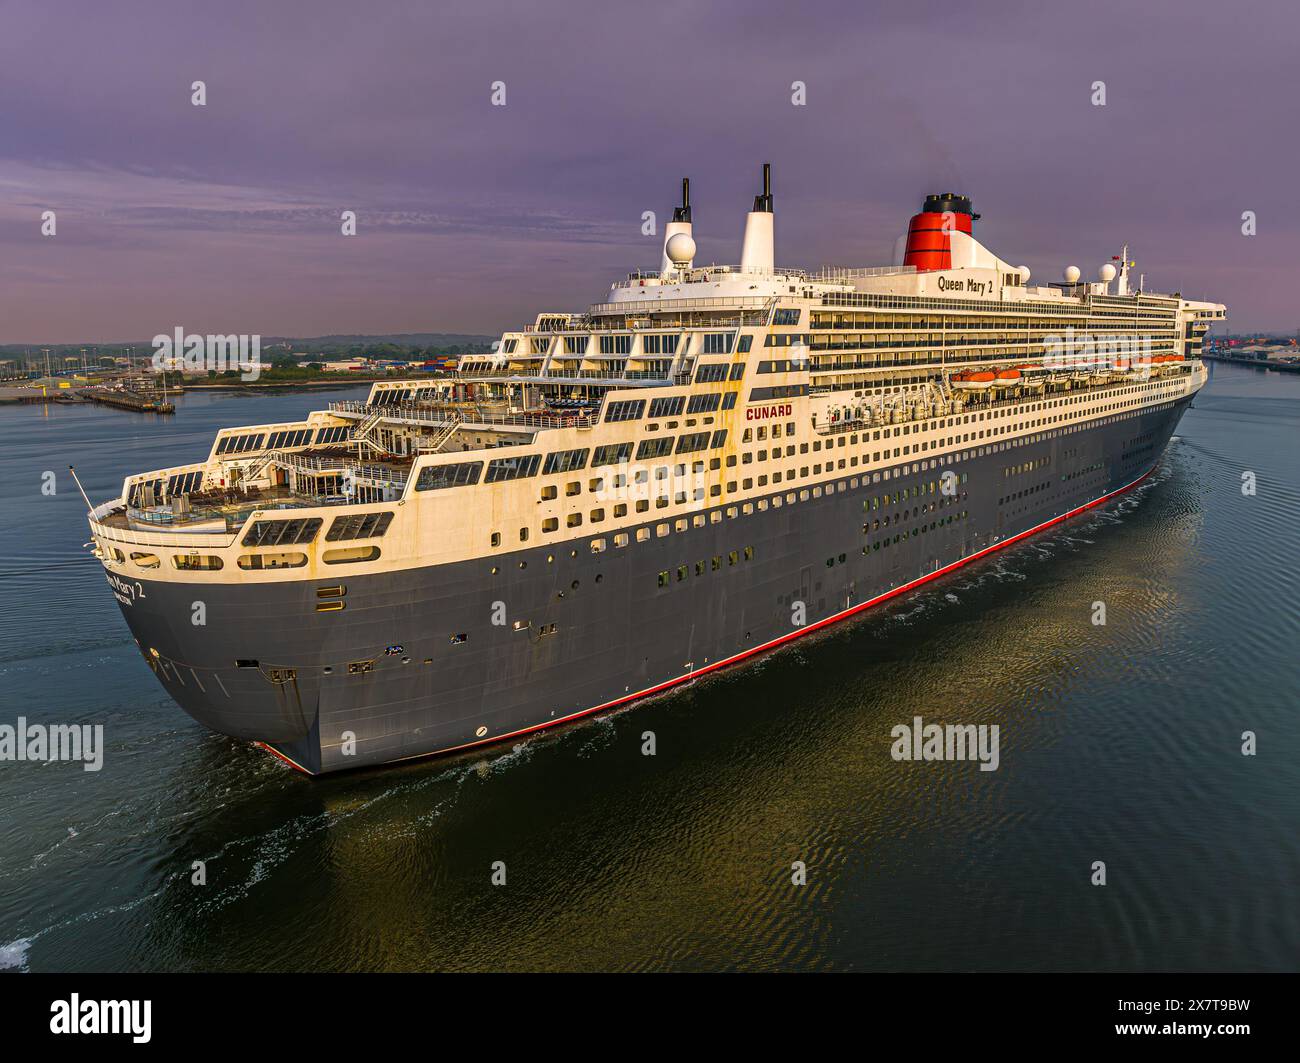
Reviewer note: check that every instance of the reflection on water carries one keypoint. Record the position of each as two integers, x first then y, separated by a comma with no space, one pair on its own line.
1119,743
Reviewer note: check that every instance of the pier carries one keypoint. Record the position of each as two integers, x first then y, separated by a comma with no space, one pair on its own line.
130,400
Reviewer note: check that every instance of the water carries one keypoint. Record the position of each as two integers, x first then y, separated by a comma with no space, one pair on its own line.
1119,743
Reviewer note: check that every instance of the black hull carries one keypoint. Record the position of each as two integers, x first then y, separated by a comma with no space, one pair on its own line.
597,630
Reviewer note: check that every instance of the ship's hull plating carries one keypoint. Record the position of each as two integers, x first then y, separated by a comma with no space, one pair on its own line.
390,677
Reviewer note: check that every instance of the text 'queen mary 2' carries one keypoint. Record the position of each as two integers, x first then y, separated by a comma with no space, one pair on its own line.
711,461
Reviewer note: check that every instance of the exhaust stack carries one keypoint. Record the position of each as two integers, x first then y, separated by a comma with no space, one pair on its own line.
928,246
681,224
758,252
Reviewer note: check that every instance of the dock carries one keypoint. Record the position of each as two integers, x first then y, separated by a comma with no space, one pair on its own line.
129,400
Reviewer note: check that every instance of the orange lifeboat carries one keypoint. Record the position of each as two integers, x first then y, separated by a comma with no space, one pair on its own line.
1009,376
973,381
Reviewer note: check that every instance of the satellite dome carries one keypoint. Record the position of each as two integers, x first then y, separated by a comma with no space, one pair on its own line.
680,249
1106,273
1024,274
1072,274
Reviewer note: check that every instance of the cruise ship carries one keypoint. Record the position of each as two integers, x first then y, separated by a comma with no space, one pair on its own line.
709,462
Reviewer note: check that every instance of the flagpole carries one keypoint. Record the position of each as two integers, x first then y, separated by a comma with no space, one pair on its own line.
89,507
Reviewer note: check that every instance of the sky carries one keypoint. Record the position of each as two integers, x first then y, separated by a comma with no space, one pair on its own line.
474,218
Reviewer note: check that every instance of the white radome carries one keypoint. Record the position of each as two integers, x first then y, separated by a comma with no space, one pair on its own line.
1106,273
1072,274
680,249
1024,274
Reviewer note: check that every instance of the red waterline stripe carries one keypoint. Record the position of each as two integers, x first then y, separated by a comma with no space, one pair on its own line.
292,763
834,619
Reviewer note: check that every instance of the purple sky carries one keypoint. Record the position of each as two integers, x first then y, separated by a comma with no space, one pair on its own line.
473,218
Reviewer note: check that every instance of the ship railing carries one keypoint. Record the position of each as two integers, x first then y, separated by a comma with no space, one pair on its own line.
361,470
179,539
435,415
975,406
739,302
700,273
851,273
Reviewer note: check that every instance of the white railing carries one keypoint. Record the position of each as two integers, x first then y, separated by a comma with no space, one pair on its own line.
185,540
832,274
411,412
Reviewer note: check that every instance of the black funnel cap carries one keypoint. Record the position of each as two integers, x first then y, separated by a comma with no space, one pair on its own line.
949,201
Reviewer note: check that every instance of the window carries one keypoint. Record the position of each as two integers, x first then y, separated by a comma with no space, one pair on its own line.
240,444
282,532
669,407
292,438
654,448
565,461
613,454
439,477
197,562
500,469
786,316
350,555
659,344
360,526
783,391
621,344
719,438
711,373
702,403
575,344
742,347
718,342
286,559
332,434
629,410
692,441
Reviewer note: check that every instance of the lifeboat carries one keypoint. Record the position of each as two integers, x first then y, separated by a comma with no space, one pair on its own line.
1007,377
972,381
